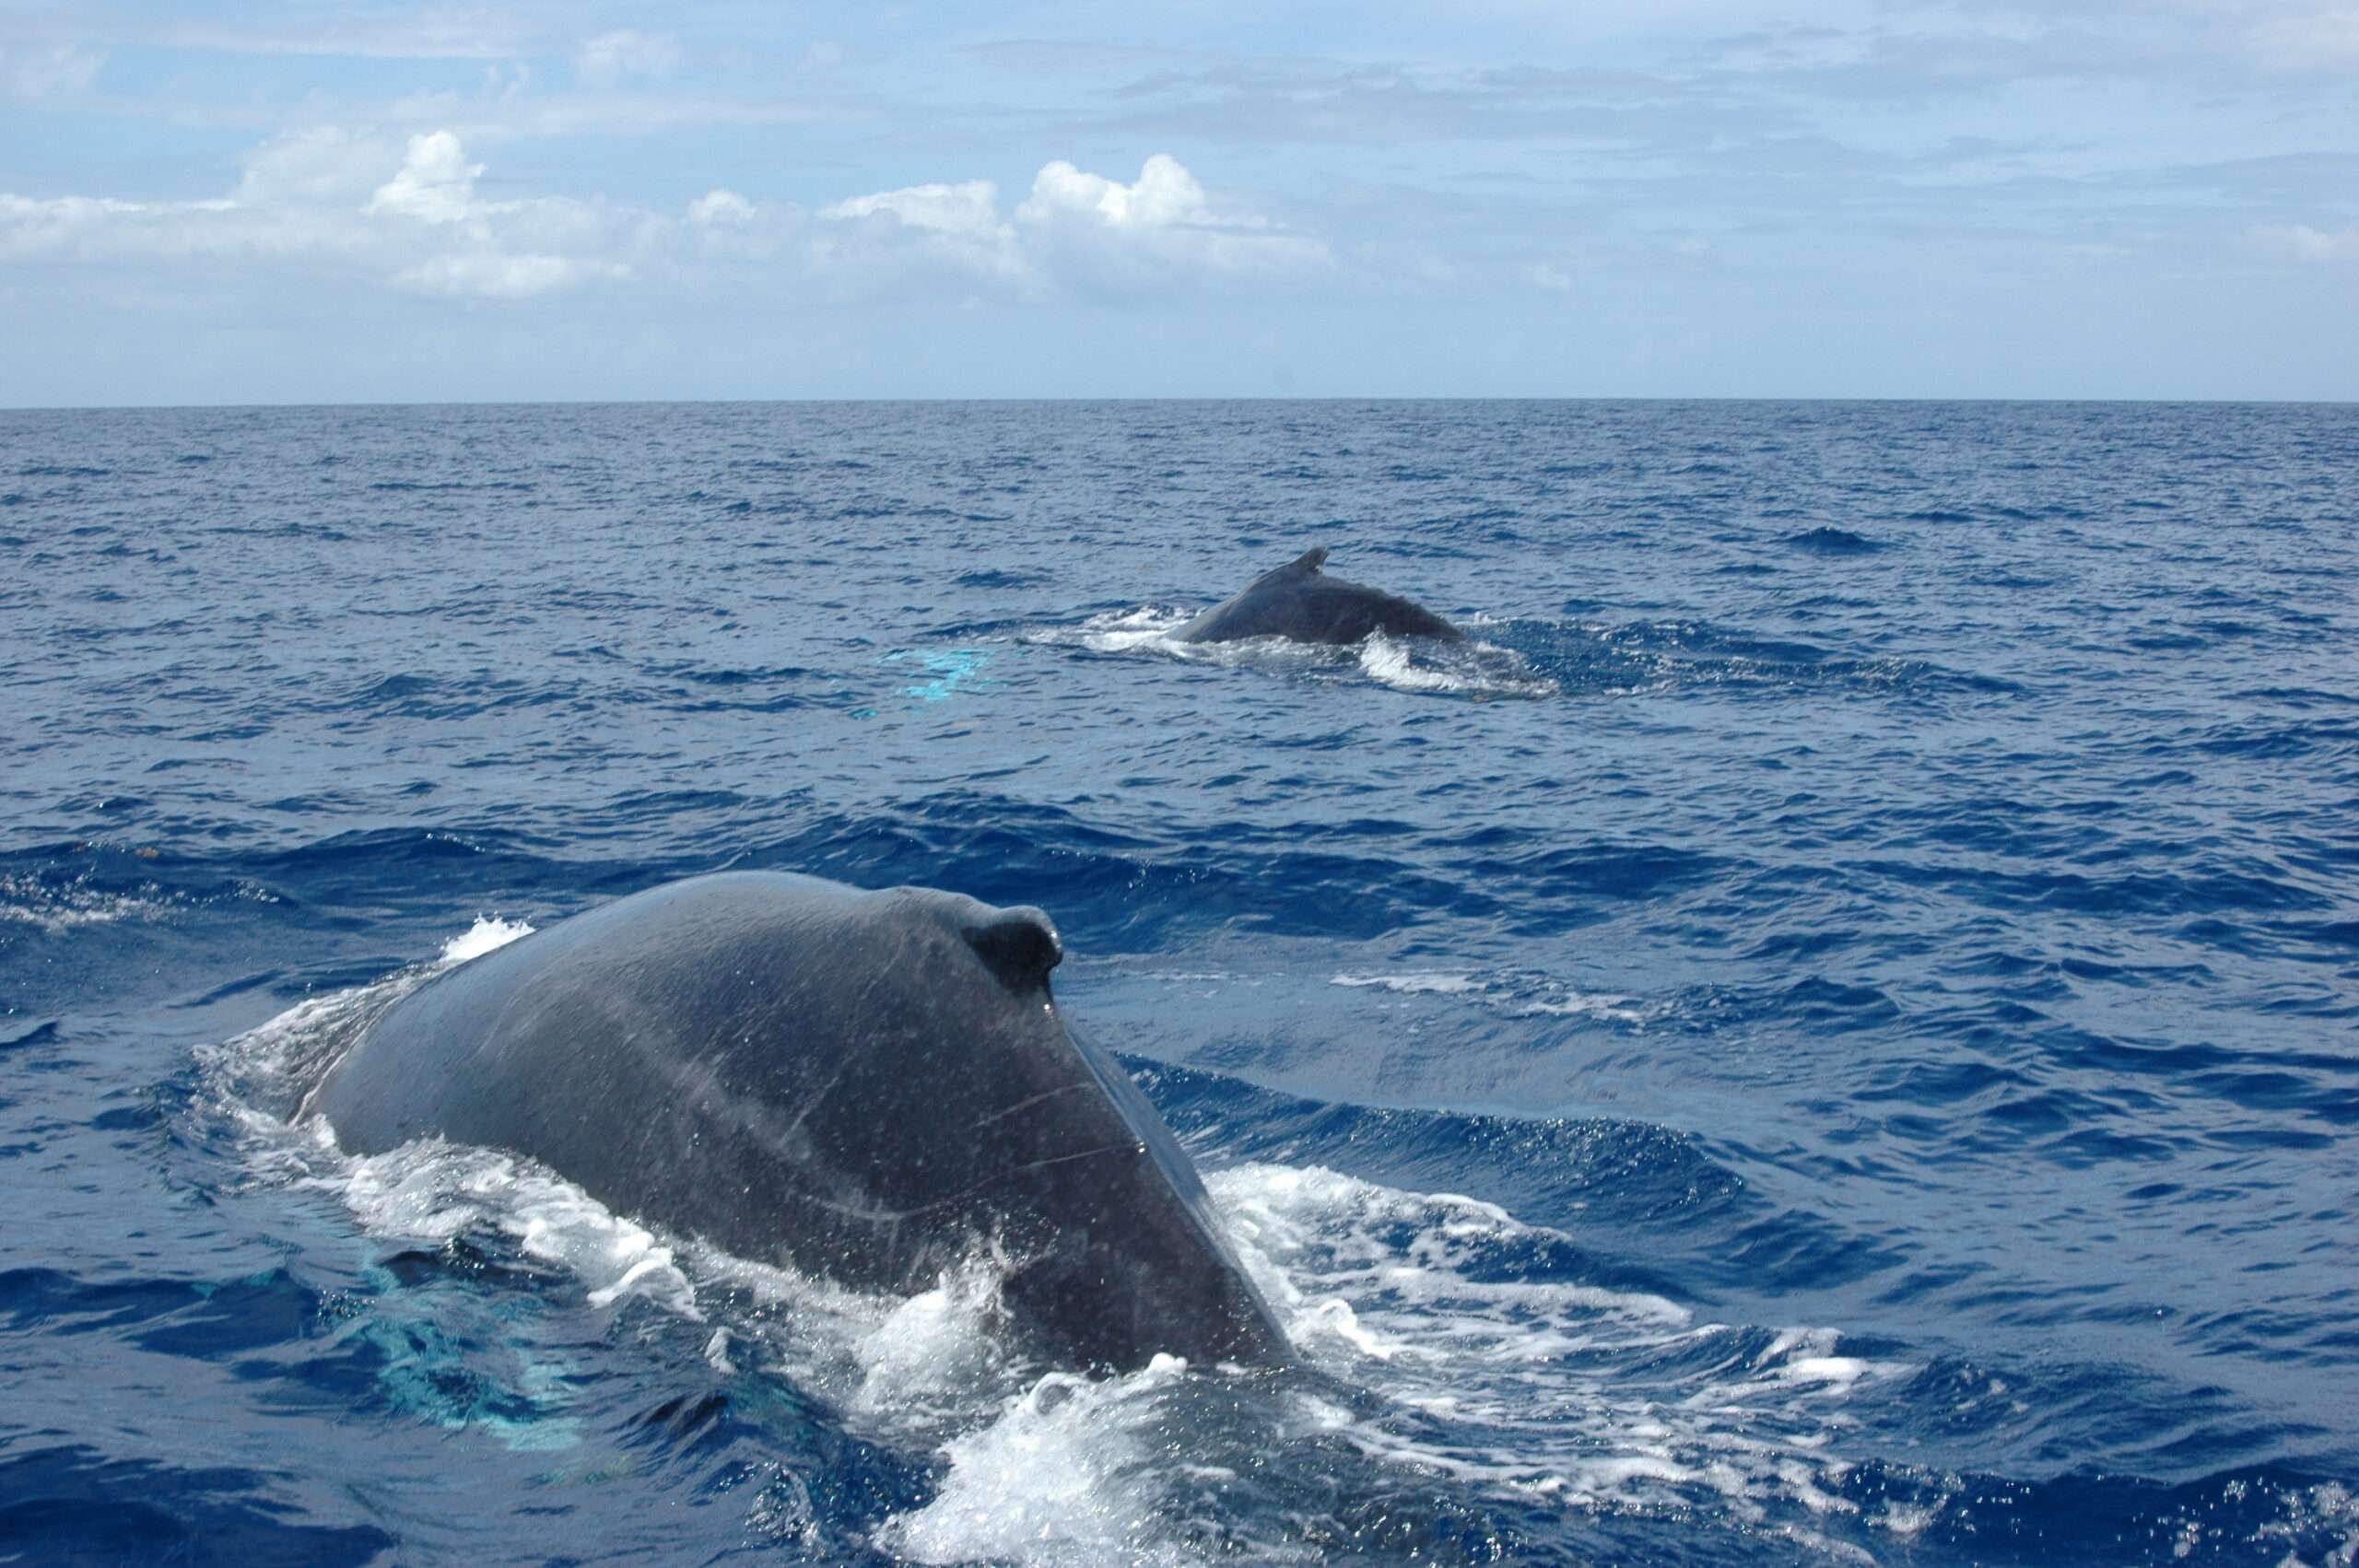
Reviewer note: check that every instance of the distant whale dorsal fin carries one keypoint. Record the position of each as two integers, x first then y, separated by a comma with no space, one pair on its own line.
1302,566
1018,945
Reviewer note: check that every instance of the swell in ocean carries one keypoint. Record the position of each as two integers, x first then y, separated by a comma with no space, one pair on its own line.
1823,1032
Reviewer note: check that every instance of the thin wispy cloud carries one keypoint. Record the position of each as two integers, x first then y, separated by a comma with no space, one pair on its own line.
47,72
615,56
2304,244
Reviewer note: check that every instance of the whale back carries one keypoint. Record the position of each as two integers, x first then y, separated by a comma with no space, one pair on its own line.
860,1085
1299,601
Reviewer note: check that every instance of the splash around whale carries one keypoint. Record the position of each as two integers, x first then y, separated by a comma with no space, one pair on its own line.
861,1085
1299,602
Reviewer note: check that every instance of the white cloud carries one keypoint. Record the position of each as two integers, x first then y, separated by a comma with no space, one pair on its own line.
499,250
435,183
298,202
324,195
101,227
2300,243
493,275
1551,277
1159,228
30,225
607,59
67,209
726,230
323,163
968,208
1076,231
892,238
720,207
39,75
1164,195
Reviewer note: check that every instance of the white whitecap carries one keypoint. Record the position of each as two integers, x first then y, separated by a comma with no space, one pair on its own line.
1060,1476
1414,982
1535,1388
1517,993
56,909
434,1192
489,932
1473,668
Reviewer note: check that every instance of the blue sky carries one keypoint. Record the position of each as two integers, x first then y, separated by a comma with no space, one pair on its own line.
307,202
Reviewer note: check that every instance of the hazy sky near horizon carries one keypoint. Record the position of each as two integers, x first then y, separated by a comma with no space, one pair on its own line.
303,201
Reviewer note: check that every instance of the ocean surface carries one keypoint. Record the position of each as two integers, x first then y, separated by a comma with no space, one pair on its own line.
1828,1033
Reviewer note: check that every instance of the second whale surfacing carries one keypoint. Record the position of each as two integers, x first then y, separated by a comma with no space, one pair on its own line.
860,1085
1299,602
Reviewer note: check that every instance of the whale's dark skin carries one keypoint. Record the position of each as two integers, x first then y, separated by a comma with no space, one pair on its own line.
856,1084
1297,601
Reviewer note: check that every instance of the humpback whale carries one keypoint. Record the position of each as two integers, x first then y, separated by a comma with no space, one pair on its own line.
1297,601
861,1085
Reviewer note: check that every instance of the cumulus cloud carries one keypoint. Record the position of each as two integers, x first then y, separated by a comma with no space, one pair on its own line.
607,59
1074,230
954,229
497,250
968,208
424,229
1160,223
720,207
435,183
322,163
416,218
1164,195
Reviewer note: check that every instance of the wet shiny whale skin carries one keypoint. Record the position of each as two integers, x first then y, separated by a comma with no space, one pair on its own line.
857,1084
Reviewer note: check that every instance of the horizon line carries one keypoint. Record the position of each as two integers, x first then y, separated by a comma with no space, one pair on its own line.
2056,399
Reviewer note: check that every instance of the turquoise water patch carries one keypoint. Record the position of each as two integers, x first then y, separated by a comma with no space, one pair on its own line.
949,670
482,1376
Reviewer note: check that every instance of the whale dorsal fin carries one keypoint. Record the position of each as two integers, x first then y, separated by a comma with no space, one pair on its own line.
1018,945
1305,564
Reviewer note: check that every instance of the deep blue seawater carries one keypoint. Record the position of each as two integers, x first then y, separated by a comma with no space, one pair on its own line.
1830,1034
